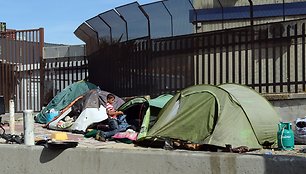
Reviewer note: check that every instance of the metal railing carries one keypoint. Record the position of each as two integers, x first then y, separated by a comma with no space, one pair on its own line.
30,79
20,64
269,58
61,72
134,21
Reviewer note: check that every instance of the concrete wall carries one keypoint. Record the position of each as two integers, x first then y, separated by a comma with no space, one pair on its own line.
227,24
20,159
289,106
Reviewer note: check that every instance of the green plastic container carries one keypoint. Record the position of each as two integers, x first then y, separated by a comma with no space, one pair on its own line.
285,136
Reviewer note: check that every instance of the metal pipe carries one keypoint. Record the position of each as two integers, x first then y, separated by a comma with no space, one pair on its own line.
28,124
222,14
41,66
284,10
171,17
12,116
196,14
252,43
110,28
251,13
126,26
88,35
148,18
91,29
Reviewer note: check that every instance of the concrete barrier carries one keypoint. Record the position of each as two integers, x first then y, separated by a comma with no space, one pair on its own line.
21,159
290,106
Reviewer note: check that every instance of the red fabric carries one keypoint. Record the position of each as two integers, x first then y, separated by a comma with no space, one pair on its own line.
110,107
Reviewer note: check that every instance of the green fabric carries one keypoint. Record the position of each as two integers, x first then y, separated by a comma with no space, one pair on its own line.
207,114
155,105
157,102
91,133
160,101
189,114
64,98
145,125
247,97
132,102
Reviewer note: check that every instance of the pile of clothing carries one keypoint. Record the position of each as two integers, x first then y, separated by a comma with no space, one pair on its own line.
300,131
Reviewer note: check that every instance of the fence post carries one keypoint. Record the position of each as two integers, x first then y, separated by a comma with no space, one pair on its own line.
42,66
28,124
12,116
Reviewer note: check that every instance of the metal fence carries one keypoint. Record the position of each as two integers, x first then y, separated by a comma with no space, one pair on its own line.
61,72
20,61
269,58
134,21
30,79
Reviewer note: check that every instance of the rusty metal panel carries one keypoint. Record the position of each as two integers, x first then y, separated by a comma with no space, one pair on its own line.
20,56
28,78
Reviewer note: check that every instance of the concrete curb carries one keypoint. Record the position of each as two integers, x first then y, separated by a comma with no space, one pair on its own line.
21,159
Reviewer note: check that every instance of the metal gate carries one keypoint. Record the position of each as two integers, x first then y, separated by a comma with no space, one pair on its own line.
20,64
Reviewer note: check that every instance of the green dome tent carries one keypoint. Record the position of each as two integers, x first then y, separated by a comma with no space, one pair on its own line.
137,109
64,98
217,115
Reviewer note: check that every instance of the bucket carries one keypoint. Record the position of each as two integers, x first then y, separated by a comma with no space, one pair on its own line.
285,136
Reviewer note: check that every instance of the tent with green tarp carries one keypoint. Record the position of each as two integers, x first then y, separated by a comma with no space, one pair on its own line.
64,98
138,108
216,115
